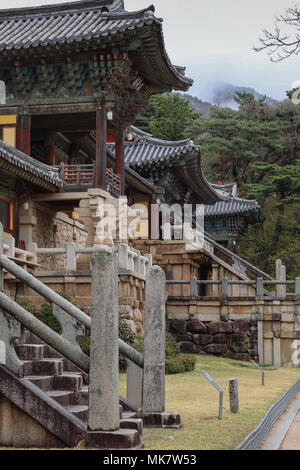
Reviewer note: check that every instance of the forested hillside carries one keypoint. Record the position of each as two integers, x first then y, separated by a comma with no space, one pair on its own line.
257,145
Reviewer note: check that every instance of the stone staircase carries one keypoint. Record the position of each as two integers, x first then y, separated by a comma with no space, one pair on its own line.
65,383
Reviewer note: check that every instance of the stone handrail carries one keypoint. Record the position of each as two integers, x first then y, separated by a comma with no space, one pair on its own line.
105,345
259,284
131,262
67,306
24,257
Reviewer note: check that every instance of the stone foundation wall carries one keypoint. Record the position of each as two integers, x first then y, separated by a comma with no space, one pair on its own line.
241,328
131,296
235,339
55,232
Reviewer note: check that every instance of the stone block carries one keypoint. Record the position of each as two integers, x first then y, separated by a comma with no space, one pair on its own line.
219,327
220,338
215,348
178,326
240,327
125,311
203,340
187,347
196,326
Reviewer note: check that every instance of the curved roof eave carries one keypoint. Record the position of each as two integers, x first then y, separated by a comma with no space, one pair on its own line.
29,165
89,20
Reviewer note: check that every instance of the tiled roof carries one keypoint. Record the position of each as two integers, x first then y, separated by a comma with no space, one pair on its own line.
234,206
90,20
19,160
145,150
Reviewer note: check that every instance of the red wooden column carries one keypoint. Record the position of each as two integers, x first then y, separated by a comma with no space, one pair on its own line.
101,131
23,133
120,165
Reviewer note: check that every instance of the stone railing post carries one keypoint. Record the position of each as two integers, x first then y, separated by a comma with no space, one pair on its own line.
193,287
154,342
280,276
104,356
297,288
71,262
224,289
259,288
1,253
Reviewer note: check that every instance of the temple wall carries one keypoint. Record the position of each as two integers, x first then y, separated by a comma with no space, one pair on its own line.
131,295
264,330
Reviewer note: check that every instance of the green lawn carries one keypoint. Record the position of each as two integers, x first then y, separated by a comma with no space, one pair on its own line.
196,400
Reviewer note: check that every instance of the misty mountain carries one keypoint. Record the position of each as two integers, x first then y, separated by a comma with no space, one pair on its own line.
222,94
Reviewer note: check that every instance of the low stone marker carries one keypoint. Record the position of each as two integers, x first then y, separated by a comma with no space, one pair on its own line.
233,395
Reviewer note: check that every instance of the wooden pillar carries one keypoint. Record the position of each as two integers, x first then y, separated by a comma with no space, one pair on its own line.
101,131
120,165
24,133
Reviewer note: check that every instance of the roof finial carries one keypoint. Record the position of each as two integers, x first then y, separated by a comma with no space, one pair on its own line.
118,5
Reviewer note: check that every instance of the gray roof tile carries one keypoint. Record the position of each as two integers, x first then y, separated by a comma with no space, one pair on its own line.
30,165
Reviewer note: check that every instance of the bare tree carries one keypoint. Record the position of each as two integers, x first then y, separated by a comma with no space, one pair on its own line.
281,45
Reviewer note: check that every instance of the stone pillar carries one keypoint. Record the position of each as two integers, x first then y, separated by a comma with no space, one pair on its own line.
233,395
260,340
27,222
104,356
215,277
1,253
277,352
154,342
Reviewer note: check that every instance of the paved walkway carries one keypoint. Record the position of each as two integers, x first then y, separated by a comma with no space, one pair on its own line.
285,434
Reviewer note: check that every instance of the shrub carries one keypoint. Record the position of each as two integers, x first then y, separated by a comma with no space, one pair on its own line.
126,335
27,305
176,363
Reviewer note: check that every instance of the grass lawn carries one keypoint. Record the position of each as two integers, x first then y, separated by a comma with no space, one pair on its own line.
197,401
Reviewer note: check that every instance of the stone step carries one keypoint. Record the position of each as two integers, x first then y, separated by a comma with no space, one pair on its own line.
63,397
48,367
81,397
30,352
136,424
68,381
28,368
130,415
121,439
45,383
29,338
51,353
80,411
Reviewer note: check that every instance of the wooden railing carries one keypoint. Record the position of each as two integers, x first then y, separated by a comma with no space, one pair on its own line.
82,177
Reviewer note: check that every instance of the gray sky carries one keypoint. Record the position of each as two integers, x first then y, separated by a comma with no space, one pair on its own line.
214,40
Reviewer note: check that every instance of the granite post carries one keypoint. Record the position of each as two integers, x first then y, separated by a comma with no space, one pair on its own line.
154,342
233,395
104,357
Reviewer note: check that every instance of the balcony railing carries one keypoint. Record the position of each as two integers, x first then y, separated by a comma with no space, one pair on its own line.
81,177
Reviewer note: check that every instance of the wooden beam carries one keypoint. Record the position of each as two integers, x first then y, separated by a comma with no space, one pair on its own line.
24,133
120,165
101,131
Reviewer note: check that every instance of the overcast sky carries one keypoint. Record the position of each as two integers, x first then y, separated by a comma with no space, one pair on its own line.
214,40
